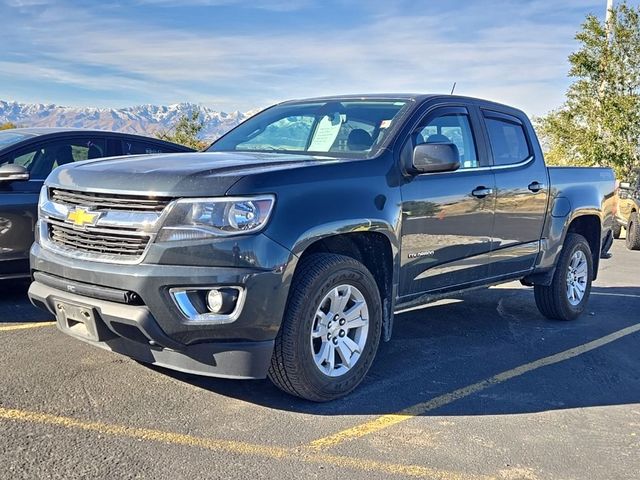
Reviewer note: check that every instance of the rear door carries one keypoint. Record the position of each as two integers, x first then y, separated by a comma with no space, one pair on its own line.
522,192
447,218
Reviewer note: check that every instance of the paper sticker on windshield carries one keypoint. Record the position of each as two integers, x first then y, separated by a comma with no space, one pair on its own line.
326,133
385,123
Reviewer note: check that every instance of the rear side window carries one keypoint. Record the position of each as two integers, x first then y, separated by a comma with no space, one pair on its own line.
508,141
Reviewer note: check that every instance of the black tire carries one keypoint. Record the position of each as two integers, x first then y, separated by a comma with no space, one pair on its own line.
617,230
633,232
292,365
552,300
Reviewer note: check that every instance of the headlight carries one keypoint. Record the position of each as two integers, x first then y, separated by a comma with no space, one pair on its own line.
44,196
197,218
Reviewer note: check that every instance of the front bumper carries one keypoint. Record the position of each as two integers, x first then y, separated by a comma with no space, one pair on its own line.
132,331
129,308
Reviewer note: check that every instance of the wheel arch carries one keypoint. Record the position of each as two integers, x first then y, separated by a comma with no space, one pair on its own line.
590,227
376,250
586,222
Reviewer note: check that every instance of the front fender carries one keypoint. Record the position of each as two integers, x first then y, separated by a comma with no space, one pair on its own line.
345,226
318,201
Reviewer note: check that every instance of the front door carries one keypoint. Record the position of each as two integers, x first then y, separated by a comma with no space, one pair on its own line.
18,214
19,199
447,218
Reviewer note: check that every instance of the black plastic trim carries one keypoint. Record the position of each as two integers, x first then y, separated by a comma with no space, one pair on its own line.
84,289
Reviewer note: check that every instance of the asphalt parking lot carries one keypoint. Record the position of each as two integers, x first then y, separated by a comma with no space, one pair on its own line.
475,387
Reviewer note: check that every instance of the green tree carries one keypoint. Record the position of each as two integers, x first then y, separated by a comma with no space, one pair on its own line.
186,131
599,124
7,126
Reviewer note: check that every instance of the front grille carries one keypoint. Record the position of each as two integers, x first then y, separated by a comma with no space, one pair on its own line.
108,201
103,241
121,227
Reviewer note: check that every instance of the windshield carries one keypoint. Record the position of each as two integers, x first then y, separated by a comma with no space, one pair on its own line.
8,138
336,128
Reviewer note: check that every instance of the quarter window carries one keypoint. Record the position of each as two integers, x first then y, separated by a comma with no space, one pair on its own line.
508,141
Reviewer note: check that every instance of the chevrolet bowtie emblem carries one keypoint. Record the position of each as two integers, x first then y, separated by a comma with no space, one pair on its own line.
81,217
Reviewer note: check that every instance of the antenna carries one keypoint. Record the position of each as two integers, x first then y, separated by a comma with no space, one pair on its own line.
453,89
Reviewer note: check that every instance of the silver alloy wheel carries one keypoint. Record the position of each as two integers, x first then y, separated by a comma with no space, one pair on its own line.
577,277
339,330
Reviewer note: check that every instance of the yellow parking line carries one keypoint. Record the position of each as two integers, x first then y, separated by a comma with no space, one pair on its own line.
23,326
233,446
386,421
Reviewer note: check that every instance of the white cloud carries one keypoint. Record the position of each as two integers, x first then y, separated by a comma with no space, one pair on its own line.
502,55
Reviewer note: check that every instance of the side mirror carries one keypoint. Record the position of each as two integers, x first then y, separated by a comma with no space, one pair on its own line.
435,157
625,185
11,172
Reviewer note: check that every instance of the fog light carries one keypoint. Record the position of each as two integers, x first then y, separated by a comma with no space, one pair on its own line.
215,301
213,306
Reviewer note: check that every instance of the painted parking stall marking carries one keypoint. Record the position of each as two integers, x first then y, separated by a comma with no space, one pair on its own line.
229,446
25,326
386,421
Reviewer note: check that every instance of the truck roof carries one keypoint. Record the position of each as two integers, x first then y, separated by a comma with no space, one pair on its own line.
415,97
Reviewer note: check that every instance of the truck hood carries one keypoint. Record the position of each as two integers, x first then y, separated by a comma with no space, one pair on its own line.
175,174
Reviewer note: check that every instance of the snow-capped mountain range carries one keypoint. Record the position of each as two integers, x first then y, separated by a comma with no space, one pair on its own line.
142,119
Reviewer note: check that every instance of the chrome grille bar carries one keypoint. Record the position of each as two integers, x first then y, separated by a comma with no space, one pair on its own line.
101,201
89,241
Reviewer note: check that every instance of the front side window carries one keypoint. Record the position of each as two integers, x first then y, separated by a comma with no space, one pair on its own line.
354,128
456,129
40,160
508,141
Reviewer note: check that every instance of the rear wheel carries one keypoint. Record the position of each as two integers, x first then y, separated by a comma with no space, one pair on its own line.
633,232
330,331
567,295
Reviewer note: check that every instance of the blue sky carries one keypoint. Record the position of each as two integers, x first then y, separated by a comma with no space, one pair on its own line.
244,54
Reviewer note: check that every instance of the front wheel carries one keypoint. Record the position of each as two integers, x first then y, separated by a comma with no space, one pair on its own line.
330,331
567,296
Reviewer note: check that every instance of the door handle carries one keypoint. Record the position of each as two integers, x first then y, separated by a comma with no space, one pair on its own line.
481,192
535,187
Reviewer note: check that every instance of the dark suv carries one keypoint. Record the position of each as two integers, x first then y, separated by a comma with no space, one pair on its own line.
27,156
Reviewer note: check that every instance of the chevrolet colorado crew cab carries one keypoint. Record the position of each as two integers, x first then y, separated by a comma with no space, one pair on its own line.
286,248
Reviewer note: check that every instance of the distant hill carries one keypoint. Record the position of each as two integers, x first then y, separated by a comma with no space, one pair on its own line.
142,119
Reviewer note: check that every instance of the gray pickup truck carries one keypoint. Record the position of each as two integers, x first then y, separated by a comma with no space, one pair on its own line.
285,250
